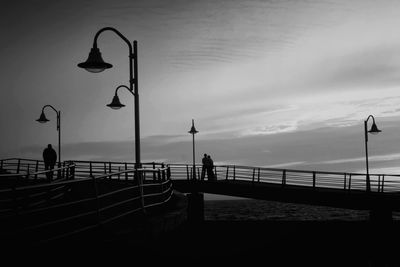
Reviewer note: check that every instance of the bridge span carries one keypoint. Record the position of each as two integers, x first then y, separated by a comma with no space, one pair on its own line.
334,189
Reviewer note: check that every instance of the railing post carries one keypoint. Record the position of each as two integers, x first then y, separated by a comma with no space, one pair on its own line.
254,175
90,169
258,175
18,165
227,172
119,172
163,173
313,180
284,177
154,174
234,172
109,170
169,173
215,173
379,183
36,168
187,172
349,182
162,185
383,183
344,186
126,173
1,164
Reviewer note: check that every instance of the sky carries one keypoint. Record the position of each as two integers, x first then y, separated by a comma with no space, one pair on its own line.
283,84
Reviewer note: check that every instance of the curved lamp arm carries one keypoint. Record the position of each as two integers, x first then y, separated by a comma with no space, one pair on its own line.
45,106
126,87
370,116
57,112
132,54
115,31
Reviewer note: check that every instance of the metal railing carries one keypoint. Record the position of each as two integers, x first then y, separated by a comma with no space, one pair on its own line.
30,169
316,179
92,199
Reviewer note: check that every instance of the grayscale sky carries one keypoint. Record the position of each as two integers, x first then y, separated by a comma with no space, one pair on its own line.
268,83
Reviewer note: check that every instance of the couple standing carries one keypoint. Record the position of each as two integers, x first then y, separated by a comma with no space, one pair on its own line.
208,166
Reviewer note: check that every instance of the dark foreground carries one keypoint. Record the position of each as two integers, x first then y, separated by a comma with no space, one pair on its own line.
288,243
248,243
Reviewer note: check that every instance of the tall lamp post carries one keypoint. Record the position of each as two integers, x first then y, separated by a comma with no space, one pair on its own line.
43,119
374,130
95,64
193,131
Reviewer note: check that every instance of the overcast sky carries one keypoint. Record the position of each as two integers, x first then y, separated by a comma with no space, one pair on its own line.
269,83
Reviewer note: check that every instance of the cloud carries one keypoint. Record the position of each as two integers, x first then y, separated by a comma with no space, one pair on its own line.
288,164
323,149
364,67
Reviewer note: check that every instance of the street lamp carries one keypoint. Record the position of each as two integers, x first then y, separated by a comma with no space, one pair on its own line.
374,130
193,131
115,103
96,64
43,119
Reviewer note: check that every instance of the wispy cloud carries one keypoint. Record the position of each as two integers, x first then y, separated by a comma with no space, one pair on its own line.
377,158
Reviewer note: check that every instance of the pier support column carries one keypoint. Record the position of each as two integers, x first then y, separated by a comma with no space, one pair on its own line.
195,207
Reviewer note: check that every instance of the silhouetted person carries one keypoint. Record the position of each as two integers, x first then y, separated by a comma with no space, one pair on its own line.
210,168
204,168
50,159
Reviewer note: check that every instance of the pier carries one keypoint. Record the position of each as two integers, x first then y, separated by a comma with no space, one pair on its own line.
111,201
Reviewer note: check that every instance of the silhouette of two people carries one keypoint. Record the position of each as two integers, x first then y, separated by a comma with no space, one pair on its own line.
50,159
208,167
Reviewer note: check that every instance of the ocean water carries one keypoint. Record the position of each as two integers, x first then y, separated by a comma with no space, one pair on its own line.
261,210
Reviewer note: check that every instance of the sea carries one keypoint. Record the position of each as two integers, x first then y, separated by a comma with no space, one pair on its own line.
262,210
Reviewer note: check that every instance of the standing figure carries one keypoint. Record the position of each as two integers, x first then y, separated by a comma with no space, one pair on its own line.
204,167
50,159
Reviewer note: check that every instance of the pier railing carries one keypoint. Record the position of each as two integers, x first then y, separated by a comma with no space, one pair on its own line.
34,170
38,213
316,179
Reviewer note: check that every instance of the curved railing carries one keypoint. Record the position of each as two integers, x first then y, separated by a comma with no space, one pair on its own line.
317,179
34,213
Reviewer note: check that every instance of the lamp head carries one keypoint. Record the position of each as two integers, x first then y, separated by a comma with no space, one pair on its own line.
193,129
94,62
374,129
42,118
115,103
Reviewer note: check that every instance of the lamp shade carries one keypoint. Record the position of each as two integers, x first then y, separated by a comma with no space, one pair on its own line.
94,62
115,103
374,129
42,118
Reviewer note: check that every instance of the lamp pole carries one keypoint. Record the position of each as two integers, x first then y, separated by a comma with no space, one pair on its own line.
95,64
43,119
193,131
374,130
